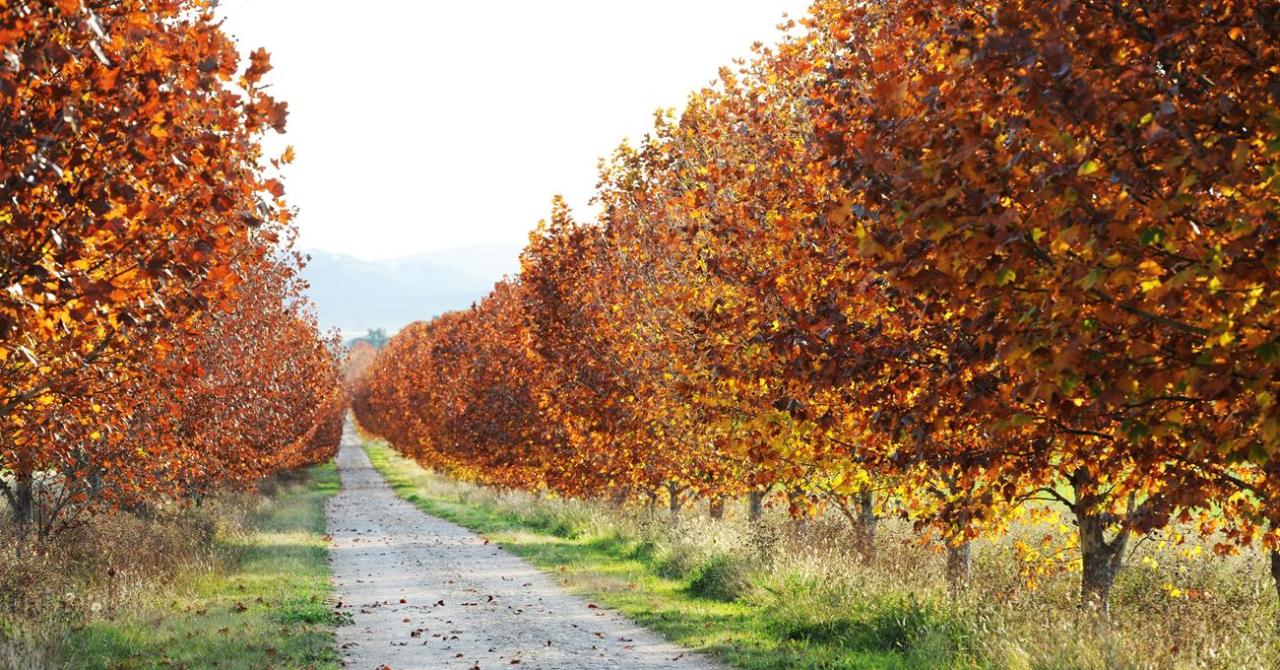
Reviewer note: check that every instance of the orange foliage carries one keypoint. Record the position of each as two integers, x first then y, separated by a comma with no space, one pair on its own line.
956,256
152,341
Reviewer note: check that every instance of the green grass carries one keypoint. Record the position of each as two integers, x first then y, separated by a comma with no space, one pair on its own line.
693,606
269,607
773,593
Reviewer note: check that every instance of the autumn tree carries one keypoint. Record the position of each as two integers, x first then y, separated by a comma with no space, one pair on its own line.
945,260
1087,186
138,219
357,361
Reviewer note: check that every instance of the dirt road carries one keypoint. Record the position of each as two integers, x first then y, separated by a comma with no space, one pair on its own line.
424,593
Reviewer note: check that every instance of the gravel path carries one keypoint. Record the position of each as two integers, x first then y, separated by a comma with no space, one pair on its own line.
424,593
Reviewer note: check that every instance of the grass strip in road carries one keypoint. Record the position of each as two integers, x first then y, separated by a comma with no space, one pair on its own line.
620,573
266,606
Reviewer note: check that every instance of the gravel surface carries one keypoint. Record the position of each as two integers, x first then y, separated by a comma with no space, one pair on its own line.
424,593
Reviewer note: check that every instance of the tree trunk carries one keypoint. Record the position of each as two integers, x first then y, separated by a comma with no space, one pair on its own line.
24,498
618,498
1275,569
797,508
673,495
755,505
864,527
958,566
1101,559
715,507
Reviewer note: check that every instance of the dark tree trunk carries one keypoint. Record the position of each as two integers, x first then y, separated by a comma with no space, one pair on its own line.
864,525
715,507
1275,569
24,499
797,507
755,505
673,497
1101,559
618,498
958,566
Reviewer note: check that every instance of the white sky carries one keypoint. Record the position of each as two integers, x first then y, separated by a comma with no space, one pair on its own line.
428,125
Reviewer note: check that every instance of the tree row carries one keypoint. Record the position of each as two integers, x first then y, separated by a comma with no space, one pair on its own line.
154,344
967,263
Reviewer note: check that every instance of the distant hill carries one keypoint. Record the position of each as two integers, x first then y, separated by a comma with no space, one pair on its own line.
356,295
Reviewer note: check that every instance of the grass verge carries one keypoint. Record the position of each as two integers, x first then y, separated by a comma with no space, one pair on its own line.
774,593
692,606
266,605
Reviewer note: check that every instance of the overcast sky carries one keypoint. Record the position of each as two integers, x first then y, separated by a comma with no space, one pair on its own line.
423,125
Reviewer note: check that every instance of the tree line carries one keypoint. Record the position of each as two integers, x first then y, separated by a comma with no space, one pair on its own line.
962,262
154,343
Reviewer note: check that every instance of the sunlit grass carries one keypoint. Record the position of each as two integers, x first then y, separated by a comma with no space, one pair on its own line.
624,574
268,607
779,595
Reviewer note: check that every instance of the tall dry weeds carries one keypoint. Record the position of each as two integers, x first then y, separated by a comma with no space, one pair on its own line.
105,568
1174,607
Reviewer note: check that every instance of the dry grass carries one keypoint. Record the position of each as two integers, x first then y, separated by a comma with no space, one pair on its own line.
111,569
102,569
807,586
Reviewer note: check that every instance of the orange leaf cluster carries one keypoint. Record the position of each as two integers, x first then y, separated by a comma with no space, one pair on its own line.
153,343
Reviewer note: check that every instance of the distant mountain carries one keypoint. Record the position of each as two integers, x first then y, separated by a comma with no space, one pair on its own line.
356,295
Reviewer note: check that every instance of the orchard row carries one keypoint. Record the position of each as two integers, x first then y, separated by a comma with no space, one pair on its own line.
961,262
153,341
